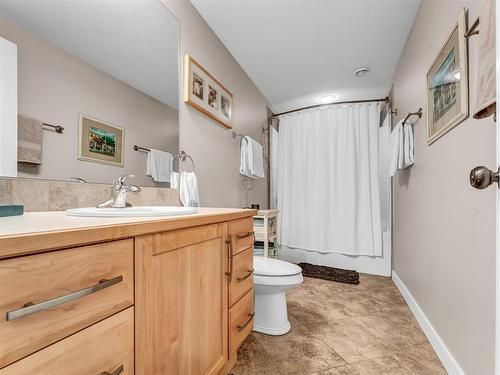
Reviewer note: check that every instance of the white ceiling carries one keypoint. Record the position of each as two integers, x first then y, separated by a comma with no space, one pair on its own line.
135,41
297,50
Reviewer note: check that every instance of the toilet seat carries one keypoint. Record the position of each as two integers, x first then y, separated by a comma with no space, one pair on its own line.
274,268
281,281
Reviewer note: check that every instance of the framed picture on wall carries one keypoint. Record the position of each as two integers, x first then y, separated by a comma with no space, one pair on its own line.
100,142
203,92
448,83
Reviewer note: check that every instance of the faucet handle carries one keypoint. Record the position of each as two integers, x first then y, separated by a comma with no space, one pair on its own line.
120,181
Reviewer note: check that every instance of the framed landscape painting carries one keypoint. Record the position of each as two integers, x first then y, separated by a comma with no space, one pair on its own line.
100,142
203,92
448,84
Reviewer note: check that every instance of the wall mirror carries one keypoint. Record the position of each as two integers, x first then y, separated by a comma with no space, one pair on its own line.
105,71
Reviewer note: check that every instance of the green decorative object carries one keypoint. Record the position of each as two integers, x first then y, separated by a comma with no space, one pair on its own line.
11,210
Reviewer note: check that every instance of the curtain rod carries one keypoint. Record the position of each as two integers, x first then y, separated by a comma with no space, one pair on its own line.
386,99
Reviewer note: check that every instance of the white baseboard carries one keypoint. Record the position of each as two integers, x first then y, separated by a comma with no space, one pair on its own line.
449,362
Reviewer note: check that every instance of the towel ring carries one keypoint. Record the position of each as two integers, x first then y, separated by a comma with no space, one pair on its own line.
247,184
182,156
172,162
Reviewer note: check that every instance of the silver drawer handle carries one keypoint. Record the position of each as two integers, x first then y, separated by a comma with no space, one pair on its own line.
118,371
240,279
241,327
32,308
240,236
229,273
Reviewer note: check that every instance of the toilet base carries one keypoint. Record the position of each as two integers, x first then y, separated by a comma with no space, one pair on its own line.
271,315
273,331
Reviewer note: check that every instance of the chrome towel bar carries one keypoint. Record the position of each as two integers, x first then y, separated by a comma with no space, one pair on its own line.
418,113
139,148
57,128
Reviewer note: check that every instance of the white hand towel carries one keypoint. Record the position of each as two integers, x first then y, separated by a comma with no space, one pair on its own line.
158,165
408,145
255,158
174,180
401,147
244,158
188,189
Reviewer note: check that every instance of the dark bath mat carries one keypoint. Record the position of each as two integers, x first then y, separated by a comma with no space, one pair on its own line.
329,273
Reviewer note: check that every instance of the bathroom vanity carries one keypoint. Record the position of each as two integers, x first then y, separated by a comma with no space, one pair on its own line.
170,295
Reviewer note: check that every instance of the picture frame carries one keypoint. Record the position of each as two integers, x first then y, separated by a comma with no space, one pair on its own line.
447,83
205,93
100,142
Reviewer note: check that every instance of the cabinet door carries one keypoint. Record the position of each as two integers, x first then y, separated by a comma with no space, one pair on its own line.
181,301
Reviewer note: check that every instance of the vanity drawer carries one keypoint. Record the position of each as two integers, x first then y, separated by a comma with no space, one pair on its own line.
103,348
242,275
240,321
241,234
47,297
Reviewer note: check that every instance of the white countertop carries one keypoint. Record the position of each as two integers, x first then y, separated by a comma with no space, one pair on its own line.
51,221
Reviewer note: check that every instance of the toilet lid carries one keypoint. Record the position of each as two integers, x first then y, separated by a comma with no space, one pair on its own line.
274,267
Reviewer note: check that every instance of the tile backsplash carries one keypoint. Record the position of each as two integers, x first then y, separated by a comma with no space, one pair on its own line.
48,195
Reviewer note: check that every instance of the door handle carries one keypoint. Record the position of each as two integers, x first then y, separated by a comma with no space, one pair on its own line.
482,177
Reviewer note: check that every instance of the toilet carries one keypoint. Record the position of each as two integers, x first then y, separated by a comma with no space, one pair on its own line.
272,278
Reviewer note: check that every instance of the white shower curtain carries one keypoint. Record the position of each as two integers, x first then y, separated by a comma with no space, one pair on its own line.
328,192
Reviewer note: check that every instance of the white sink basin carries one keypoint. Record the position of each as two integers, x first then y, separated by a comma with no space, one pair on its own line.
136,211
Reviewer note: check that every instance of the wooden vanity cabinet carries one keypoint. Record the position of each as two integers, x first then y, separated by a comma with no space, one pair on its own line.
179,300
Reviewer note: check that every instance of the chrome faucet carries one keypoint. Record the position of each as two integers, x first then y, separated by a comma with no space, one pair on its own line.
119,193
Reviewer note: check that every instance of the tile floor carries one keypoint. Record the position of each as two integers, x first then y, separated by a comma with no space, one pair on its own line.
340,329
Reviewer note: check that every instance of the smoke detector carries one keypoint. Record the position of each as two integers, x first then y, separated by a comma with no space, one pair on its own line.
361,72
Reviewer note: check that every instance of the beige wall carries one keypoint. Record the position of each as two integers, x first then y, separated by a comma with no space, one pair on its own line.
215,152
444,230
54,87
